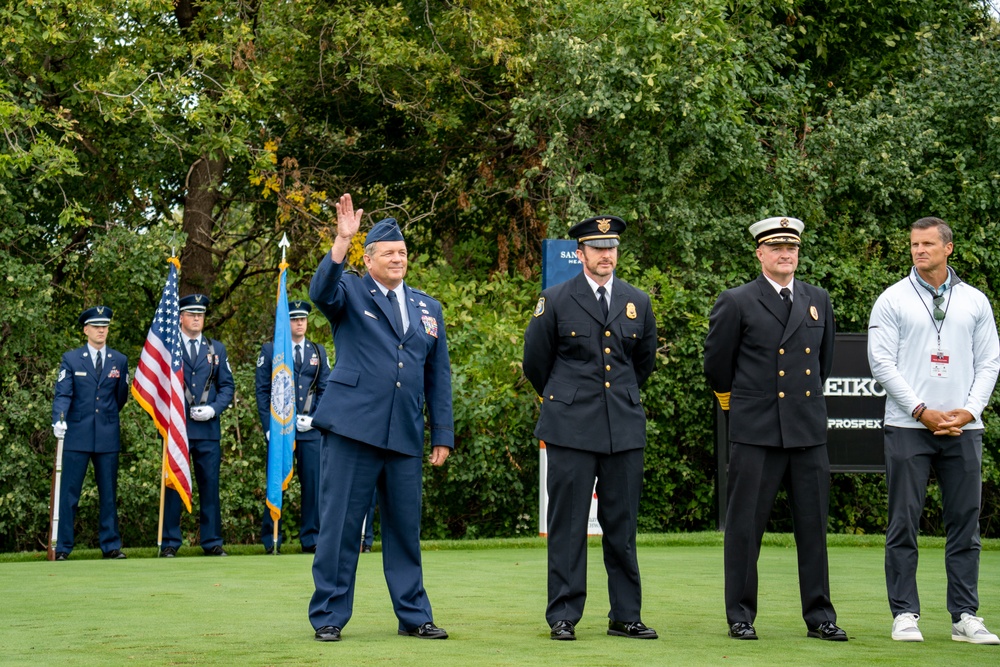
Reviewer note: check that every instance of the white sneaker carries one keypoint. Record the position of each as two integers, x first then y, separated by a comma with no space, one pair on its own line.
971,629
904,628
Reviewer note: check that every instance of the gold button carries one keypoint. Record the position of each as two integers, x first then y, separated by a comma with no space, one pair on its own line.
781,374
808,372
781,351
607,350
607,384
572,333
633,335
808,394
607,368
781,394
551,397
607,333
807,350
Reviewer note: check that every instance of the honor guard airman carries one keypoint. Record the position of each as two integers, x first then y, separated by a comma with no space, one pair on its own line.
589,347
90,391
311,369
768,354
208,390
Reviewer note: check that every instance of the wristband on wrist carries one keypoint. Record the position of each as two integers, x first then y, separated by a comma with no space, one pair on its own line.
919,411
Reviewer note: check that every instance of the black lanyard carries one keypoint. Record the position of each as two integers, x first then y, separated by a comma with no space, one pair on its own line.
938,324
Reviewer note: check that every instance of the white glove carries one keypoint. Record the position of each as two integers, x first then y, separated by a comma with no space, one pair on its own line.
267,436
303,423
202,413
59,429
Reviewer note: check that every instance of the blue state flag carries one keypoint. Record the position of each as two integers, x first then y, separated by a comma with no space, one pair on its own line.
282,439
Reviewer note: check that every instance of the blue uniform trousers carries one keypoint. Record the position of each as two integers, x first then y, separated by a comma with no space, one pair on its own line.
206,461
74,469
350,472
307,470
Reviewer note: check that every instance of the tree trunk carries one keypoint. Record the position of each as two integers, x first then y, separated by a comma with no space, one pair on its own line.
197,265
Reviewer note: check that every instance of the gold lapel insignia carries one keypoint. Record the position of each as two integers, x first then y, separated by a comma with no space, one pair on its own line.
630,311
604,224
540,307
813,312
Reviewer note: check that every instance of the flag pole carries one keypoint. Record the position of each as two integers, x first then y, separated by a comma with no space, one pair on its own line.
54,508
284,245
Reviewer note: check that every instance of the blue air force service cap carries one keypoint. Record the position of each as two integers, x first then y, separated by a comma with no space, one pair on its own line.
599,232
98,316
298,309
384,230
194,303
775,231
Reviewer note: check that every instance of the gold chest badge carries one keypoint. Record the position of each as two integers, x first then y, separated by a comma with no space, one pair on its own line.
630,311
539,307
813,312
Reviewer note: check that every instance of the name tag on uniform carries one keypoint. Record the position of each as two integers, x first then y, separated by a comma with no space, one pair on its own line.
940,362
371,315
81,373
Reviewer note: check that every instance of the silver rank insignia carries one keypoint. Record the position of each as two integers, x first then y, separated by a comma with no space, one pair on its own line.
630,311
540,307
813,312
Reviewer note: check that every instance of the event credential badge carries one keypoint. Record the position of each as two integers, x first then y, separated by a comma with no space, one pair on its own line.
939,363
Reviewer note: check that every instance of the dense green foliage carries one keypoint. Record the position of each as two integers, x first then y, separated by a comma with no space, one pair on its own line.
484,126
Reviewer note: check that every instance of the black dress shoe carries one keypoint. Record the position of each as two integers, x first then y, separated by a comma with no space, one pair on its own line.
268,551
829,631
426,631
114,554
309,550
633,629
742,630
168,552
328,633
62,555
366,548
563,630
216,551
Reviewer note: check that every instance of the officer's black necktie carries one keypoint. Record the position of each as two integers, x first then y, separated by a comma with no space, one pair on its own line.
194,349
298,354
786,296
603,300
396,312
99,364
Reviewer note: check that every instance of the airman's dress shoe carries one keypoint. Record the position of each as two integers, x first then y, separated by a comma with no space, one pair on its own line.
426,631
328,633
114,554
633,629
217,550
829,631
270,550
366,548
168,552
742,630
563,630
62,555
309,549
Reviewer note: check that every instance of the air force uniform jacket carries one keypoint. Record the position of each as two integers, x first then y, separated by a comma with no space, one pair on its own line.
213,363
310,377
382,378
773,363
588,369
90,404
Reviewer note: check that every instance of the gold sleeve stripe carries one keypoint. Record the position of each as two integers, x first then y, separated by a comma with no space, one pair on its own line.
723,400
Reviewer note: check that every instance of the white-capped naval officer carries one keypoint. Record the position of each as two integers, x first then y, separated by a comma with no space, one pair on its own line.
90,391
768,353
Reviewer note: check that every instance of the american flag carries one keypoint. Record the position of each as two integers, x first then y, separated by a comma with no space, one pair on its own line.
159,386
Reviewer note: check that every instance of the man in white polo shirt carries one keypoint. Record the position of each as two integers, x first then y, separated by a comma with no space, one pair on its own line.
932,345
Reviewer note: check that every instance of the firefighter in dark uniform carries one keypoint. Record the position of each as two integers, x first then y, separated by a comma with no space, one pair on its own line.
588,349
208,390
768,353
311,369
90,391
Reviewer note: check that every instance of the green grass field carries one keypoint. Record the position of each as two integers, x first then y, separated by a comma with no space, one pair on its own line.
250,609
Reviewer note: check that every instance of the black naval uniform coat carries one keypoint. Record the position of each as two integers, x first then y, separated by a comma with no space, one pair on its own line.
588,371
773,364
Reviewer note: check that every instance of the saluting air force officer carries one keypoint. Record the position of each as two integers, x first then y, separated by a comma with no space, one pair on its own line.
588,349
208,390
91,389
768,353
311,369
392,359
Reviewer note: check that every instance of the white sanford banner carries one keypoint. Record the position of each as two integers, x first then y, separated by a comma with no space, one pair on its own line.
594,526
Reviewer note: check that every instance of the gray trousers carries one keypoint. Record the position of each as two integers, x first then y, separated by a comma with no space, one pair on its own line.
910,454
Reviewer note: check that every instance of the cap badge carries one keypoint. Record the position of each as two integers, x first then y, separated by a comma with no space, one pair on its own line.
197,298
630,311
604,224
784,222
100,310
813,312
